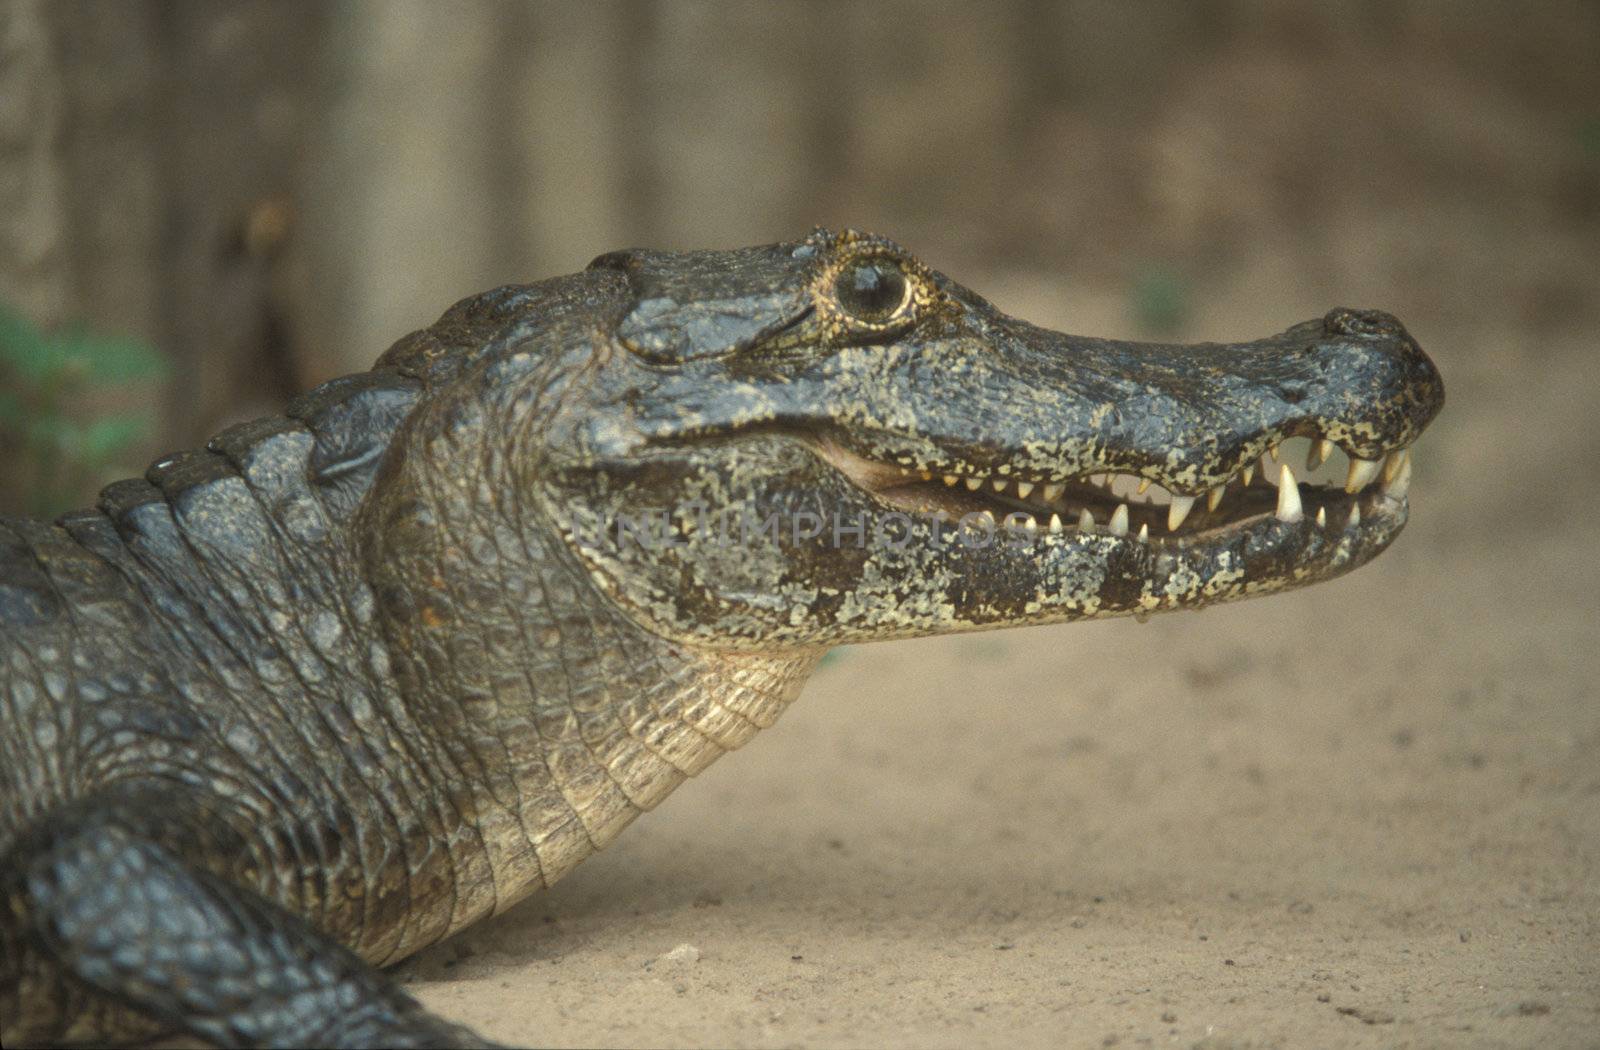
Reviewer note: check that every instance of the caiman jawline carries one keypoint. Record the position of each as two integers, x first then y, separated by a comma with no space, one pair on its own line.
1118,504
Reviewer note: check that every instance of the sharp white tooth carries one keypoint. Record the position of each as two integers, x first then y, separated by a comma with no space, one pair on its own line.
1355,516
1119,520
1144,533
1392,464
1288,496
999,484
1321,449
974,484
1214,497
951,479
1273,452
1023,488
1085,520
1322,517
1030,526
1055,523
1181,506
1144,486
1401,484
1362,471
1248,474
1053,492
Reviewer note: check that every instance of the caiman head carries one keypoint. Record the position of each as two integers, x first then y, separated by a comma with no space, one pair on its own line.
825,441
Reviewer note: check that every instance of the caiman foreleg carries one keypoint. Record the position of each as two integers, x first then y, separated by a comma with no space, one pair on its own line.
122,897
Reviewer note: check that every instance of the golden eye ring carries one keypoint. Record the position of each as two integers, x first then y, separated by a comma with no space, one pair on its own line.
873,290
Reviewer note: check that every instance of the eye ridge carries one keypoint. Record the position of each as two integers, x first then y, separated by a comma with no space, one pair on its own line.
872,290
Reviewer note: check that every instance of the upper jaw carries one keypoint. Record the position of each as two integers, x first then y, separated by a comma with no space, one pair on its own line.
1168,436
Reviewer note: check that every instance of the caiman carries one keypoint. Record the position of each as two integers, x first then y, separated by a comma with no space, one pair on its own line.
289,708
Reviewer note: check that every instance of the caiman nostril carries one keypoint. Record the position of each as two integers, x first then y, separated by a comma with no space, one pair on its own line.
1342,320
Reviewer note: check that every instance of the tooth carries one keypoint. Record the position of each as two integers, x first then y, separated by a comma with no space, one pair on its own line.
951,479
1053,492
926,475
1248,474
1119,520
1322,517
988,517
1181,506
1023,488
1085,520
1214,497
999,484
1288,496
1362,471
1055,523
1144,533
1030,526
974,484
1401,483
1355,516
1273,452
1321,449
1393,463
1144,486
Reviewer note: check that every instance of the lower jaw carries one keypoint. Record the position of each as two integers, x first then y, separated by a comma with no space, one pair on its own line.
1022,576
1258,556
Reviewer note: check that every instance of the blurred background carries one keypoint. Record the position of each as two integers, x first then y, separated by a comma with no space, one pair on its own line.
206,207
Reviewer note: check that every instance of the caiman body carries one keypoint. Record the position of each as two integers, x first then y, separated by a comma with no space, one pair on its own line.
297,705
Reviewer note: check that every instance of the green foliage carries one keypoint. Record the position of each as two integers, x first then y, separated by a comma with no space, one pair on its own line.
43,375
1589,137
1160,300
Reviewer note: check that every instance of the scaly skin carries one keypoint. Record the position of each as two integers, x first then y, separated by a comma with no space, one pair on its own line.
296,706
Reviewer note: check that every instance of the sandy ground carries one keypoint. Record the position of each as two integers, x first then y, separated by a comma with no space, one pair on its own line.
1365,814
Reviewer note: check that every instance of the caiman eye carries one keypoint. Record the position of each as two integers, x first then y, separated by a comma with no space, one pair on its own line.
872,290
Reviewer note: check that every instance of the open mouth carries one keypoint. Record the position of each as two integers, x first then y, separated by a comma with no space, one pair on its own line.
1298,480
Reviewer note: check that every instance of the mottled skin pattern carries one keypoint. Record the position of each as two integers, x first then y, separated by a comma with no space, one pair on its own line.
293,707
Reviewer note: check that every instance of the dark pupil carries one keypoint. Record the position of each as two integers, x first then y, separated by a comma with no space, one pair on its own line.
872,291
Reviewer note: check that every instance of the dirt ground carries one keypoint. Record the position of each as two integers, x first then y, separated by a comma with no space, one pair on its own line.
1364,814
